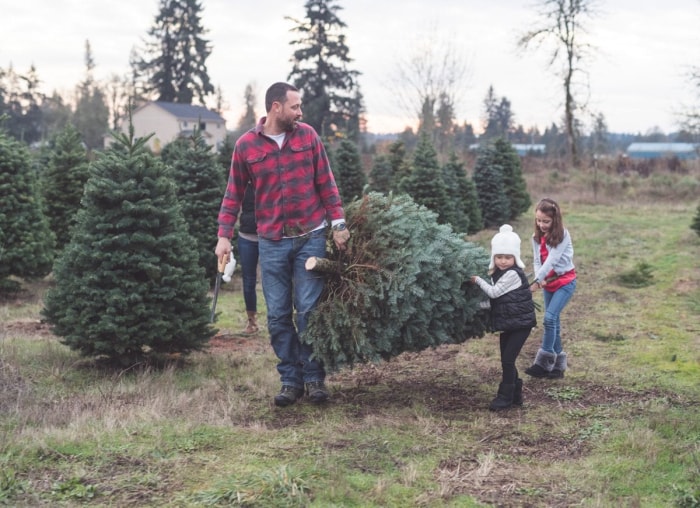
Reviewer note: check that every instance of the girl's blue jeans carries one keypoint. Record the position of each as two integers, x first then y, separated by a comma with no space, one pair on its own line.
248,252
288,287
554,303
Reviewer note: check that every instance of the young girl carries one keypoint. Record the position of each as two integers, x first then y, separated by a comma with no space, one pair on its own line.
512,311
553,255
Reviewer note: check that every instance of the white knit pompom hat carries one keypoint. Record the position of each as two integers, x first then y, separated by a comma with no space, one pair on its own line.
506,241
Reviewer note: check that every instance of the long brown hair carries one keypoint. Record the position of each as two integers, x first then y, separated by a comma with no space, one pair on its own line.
551,209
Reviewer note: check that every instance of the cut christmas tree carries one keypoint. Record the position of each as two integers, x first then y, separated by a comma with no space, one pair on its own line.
401,285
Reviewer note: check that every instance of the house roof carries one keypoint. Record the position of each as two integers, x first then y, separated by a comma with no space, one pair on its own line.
188,111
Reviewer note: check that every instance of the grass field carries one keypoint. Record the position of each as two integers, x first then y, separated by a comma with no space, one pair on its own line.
621,429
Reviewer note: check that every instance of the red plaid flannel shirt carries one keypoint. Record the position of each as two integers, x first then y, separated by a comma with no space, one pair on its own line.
294,187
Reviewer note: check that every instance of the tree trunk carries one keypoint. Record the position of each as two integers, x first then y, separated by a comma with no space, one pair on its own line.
314,264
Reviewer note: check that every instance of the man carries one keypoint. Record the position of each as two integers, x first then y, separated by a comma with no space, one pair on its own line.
295,199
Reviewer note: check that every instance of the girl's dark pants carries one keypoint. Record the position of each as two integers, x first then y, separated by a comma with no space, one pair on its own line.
511,343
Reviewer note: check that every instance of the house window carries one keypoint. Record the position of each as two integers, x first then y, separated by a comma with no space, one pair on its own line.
202,126
184,123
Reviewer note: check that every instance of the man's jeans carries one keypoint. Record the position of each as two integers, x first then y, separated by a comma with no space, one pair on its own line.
288,286
554,303
248,252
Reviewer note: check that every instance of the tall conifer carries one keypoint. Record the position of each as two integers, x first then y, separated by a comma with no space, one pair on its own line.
505,156
128,286
26,240
347,169
200,185
425,183
490,188
63,183
332,98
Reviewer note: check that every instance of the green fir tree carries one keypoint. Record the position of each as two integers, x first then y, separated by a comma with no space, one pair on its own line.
128,286
425,182
333,103
63,183
490,188
402,285
200,185
400,167
458,190
27,242
507,158
381,176
347,169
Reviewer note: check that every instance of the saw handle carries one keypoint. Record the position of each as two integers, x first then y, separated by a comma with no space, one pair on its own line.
222,263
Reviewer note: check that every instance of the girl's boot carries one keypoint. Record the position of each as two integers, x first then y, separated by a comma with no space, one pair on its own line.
252,327
518,392
543,365
504,398
560,366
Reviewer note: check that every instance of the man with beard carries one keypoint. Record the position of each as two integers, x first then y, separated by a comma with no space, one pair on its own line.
296,199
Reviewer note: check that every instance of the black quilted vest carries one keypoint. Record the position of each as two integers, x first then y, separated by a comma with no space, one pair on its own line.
515,309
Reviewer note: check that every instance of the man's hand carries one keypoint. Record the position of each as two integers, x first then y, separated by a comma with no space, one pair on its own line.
223,249
341,238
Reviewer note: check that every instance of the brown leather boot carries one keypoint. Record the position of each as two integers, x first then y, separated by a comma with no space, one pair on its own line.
252,326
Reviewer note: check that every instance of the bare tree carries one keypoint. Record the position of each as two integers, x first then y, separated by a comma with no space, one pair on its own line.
690,118
563,27
429,81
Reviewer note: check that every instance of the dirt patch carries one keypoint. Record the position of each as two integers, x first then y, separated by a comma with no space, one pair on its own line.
227,342
26,327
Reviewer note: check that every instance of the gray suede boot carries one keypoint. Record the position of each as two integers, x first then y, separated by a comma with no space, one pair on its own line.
560,366
543,365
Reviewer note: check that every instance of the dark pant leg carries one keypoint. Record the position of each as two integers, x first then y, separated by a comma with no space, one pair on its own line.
511,342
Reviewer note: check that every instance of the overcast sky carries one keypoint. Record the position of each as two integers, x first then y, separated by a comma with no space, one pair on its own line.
638,75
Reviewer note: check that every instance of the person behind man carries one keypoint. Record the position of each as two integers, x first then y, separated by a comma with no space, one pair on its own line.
295,198
248,252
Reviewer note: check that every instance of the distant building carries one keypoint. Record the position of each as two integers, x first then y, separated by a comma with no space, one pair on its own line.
522,149
529,149
662,150
168,121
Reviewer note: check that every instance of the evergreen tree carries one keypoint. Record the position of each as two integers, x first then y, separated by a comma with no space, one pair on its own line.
490,188
505,156
174,65
476,221
381,176
128,286
91,116
459,192
332,100
498,121
248,119
226,154
20,105
63,183
695,226
200,185
400,168
347,169
27,240
402,285
425,182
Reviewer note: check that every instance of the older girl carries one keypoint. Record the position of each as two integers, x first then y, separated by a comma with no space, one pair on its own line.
553,254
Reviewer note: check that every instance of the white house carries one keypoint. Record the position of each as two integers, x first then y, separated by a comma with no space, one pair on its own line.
168,121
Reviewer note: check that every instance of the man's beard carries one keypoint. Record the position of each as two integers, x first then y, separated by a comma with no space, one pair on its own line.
287,124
